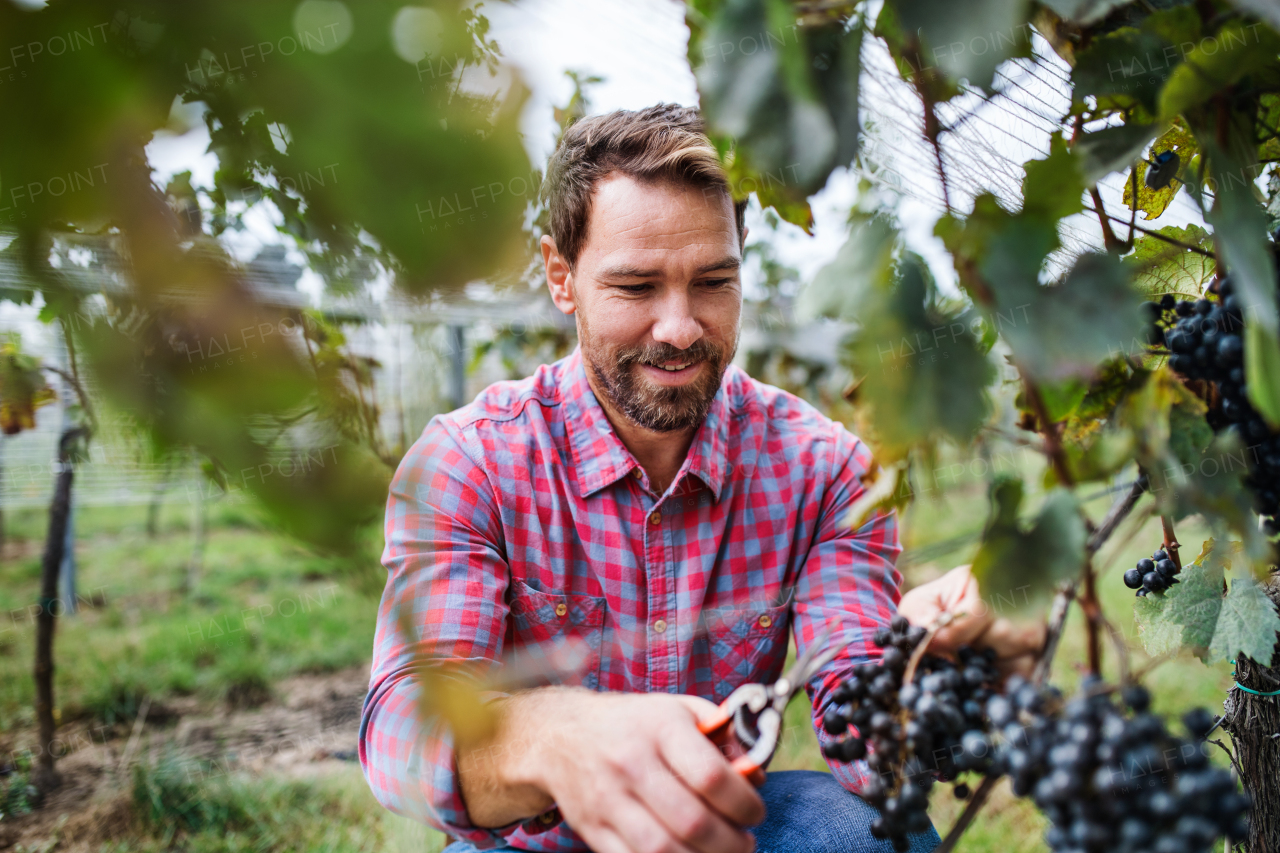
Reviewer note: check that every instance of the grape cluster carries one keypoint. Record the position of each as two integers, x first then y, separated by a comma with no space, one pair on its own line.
1152,574
1110,780
1205,341
912,734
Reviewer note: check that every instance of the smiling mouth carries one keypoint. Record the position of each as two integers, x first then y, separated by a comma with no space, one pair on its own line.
672,368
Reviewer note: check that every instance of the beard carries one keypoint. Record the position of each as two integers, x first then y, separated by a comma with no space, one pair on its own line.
656,407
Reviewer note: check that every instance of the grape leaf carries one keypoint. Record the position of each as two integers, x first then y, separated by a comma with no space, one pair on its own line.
1189,610
1154,202
1158,267
1196,601
1053,542
1159,635
1247,624
923,372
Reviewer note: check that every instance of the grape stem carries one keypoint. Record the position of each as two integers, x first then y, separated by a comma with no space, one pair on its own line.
917,653
1057,620
1171,541
976,801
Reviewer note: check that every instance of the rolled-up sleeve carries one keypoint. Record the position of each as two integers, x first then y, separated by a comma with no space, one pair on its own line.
446,578
848,582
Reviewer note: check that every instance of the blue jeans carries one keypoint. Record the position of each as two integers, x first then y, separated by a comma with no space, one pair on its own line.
807,812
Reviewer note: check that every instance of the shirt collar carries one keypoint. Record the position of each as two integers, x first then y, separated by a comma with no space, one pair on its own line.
600,457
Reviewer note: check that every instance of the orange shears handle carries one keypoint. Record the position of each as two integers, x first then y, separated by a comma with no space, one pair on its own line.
719,730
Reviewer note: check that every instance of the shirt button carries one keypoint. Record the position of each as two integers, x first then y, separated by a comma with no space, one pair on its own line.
765,621
561,609
655,517
660,626
637,473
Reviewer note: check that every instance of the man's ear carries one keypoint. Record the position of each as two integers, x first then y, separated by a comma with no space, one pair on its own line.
559,276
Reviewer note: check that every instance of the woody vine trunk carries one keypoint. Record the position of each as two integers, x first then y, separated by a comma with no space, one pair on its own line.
1252,721
44,775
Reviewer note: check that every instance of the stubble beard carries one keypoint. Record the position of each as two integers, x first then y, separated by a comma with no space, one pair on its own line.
656,407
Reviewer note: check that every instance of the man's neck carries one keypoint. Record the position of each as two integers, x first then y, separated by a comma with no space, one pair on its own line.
660,453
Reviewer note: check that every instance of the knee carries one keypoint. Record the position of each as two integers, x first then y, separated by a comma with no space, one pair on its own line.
809,812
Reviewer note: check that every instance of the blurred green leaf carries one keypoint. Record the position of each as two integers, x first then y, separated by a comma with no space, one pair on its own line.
1262,369
1112,149
924,375
1053,542
1263,10
967,40
1234,52
1066,330
1240,227
1052,187
1127,64
863,263
23,388
1083,11
786,97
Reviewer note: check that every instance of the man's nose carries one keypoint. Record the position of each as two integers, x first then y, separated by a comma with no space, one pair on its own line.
676,324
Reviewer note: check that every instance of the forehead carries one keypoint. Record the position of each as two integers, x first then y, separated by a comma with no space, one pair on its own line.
658,225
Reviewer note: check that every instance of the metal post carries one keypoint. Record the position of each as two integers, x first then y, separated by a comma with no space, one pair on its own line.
457,365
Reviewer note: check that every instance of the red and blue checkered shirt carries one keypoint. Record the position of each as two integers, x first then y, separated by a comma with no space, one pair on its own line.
521,520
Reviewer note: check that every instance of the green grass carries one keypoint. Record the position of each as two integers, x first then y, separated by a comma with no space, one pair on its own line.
177,807
264,608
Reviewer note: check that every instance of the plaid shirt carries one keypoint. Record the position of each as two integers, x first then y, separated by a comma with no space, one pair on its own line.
521,520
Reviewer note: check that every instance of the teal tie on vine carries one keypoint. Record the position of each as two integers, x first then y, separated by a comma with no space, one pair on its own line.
1250,689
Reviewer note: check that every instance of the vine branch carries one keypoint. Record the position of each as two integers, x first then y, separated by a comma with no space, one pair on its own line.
1118,512
976,801
1164,238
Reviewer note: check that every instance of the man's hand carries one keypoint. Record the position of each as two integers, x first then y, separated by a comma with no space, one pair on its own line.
630,772
956,593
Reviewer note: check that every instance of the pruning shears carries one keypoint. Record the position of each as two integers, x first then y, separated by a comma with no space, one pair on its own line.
752,714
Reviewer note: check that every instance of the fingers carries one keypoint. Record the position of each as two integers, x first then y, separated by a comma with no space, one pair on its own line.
688,817
629,827
705,771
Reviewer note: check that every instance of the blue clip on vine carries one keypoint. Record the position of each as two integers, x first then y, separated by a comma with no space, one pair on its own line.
1250,689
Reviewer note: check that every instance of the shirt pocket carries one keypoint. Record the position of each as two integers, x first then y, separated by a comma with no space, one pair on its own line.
742,646
545,623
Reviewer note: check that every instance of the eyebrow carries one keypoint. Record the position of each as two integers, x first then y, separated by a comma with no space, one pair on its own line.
631,271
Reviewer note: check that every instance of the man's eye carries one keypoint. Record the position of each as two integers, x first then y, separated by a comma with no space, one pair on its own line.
633,288
716,282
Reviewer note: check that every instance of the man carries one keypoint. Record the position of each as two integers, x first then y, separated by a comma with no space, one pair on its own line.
647,501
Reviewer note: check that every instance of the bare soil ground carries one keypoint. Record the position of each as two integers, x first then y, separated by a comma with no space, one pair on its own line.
309,727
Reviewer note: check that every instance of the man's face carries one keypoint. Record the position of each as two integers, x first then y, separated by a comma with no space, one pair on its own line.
658,298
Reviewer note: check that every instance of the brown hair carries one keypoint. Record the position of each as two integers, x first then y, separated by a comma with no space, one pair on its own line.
666,142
